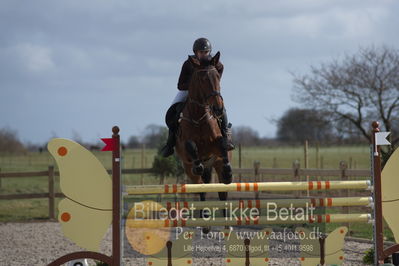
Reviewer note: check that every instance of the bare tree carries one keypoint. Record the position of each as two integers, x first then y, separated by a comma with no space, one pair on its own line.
246,136
9,141
297,125
358,88
154,136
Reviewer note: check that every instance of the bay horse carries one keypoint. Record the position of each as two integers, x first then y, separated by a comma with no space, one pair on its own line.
199,141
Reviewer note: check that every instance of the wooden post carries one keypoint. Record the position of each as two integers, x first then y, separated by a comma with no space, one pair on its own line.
51,194
142,163
256,172
247,257
380,253
306,162
322,242
295,168
116,198
305,155
343,166
317,158
317,155
239,162
378,227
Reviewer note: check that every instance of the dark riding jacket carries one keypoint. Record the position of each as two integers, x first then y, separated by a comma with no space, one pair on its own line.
186,72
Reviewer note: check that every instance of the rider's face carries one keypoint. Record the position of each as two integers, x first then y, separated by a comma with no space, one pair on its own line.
201,54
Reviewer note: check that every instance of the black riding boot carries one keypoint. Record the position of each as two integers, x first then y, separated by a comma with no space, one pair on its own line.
226,131
171,119
168,150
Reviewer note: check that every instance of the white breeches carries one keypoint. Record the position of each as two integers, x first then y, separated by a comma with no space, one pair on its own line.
180,97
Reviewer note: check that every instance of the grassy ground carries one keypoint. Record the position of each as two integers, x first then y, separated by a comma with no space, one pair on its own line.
281,157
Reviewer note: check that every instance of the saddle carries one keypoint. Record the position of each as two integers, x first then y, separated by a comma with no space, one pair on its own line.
173,115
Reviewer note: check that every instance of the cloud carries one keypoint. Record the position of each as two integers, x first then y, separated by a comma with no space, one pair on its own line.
108,62
35,58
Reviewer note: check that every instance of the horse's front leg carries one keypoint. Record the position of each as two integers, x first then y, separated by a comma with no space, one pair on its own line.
206,177
226,171
192,151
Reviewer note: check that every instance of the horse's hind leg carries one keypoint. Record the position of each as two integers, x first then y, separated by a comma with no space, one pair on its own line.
206,178
222,195
192,151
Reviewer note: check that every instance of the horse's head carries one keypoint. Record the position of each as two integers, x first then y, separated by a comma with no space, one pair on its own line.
205,83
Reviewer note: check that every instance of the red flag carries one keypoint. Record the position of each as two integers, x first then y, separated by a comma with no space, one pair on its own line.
109,144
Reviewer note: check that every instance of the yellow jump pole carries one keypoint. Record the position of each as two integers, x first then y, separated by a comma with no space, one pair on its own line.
257,186
311,202
262,220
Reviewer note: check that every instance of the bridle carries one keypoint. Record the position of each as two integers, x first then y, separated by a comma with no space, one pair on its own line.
208,107
212,94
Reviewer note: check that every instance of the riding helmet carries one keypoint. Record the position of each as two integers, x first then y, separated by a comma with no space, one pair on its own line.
202,44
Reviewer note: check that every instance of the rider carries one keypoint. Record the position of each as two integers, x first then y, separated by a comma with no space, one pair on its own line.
202,48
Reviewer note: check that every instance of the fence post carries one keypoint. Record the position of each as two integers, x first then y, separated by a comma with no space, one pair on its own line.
343,166
51,194
239,162
295,167
161,182
305,153
0,179
256,172
317,154
142,163
306,161
317,158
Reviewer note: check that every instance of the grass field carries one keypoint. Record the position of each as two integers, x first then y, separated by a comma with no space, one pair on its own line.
284,156
281,157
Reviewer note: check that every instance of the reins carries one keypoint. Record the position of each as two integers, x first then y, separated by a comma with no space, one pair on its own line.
205,105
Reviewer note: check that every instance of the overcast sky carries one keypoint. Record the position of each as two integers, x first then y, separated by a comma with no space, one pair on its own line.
84,66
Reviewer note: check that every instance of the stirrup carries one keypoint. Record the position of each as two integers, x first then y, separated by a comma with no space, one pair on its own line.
230,145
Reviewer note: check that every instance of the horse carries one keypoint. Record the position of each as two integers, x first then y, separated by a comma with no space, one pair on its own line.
199,142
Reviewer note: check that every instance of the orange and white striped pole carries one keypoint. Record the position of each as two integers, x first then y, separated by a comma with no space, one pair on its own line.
253,187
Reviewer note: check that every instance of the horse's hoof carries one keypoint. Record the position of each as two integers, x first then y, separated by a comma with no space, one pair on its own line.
227,168
198,169
227,174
